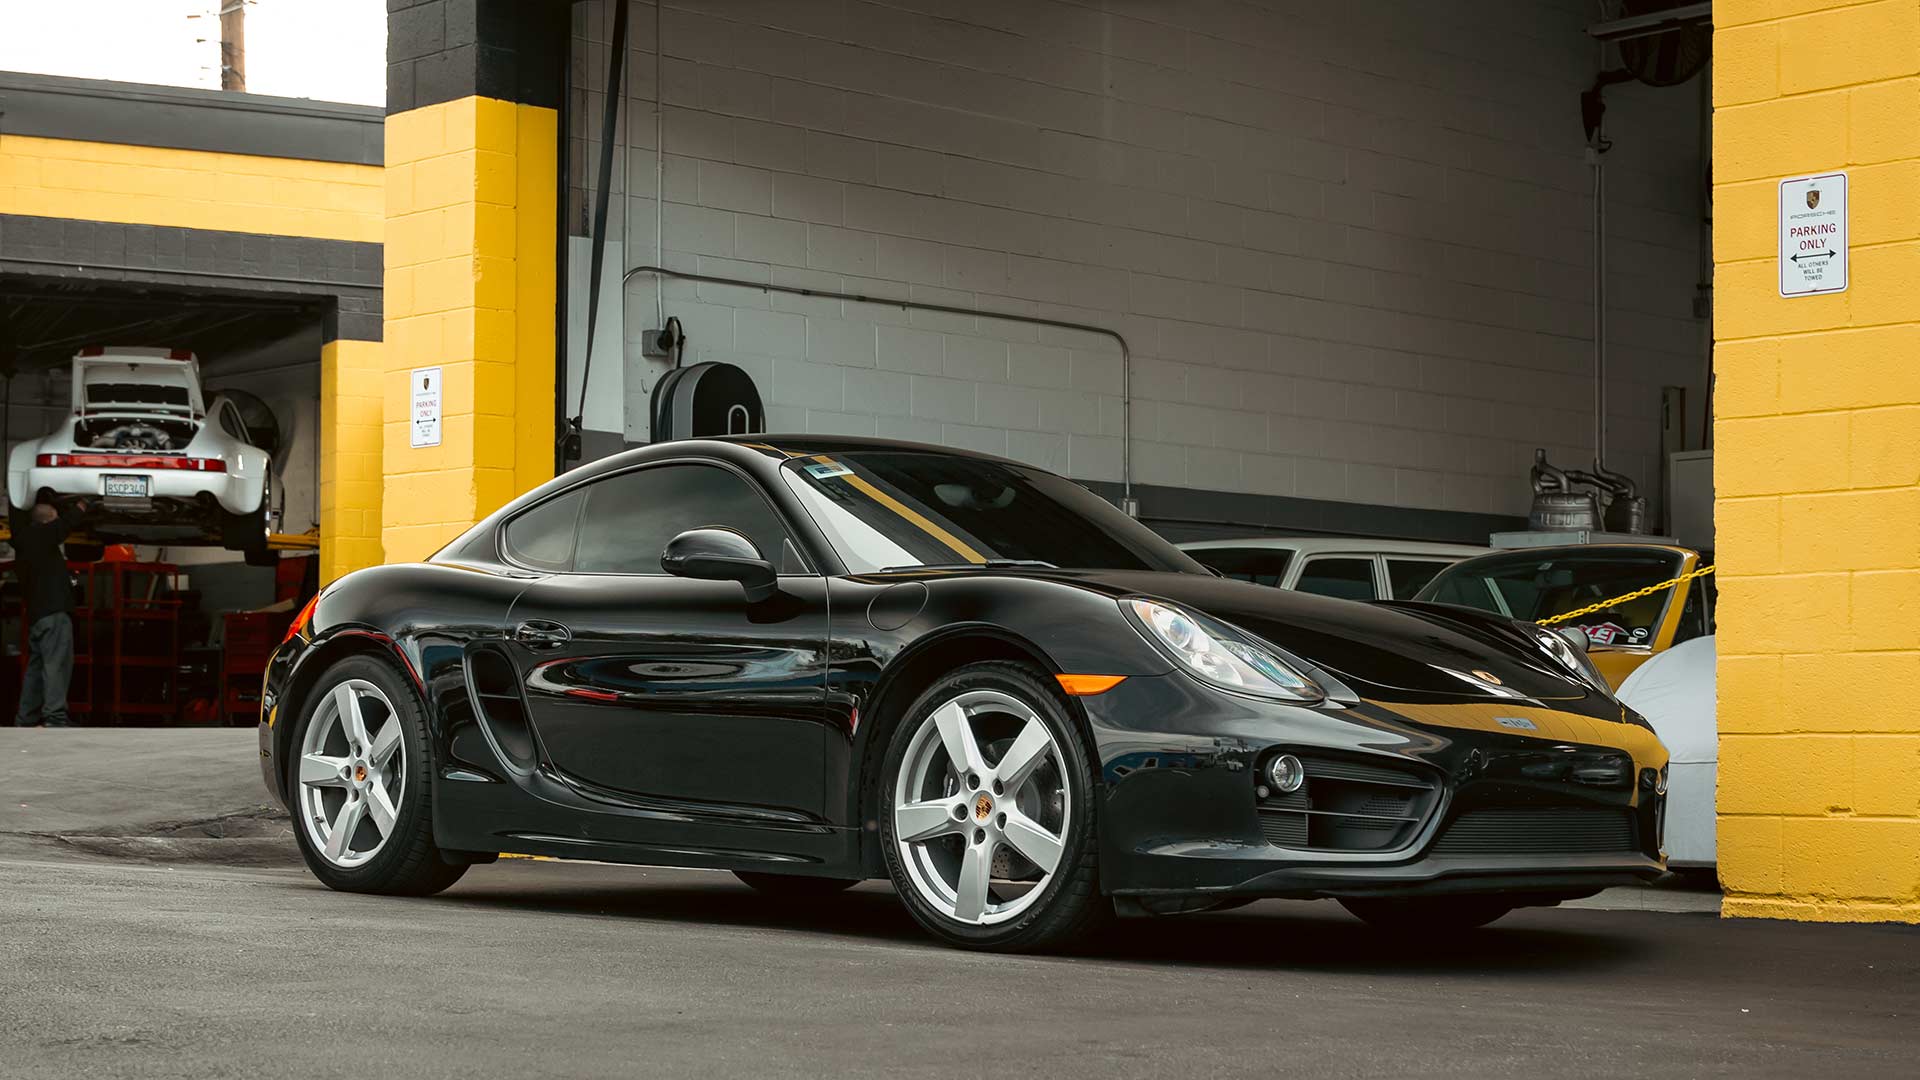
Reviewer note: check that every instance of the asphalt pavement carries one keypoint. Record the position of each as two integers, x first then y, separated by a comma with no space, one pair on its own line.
151,966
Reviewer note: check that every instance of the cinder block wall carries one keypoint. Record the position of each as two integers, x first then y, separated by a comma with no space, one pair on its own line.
1350,244
1817,459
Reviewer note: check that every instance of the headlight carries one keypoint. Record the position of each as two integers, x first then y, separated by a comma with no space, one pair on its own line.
1574,660
1220,654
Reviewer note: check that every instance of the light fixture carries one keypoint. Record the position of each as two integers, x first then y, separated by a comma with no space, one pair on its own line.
1287,773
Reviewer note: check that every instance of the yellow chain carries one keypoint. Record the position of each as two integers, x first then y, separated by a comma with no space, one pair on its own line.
1634,595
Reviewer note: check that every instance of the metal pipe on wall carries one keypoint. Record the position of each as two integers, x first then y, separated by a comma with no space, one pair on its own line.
1599,310
1127,501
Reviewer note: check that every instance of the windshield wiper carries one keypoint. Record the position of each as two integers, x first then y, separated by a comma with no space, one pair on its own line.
990,564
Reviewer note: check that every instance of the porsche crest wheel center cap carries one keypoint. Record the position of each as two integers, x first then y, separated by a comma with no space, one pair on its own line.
360,774
982,807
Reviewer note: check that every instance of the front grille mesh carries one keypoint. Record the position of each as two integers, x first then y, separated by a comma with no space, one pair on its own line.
1349,806
1539,830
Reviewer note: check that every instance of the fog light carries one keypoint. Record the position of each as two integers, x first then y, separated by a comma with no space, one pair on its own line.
1661,786
1287,773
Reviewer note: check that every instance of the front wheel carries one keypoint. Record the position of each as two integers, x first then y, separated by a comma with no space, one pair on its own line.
987,813
1416,915
359,781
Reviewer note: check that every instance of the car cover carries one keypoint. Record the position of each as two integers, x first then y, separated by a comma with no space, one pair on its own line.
1675,692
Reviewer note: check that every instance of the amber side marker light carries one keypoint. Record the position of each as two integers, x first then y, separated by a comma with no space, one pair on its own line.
300,620
1088,685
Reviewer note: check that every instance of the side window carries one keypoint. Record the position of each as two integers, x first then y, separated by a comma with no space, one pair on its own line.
1408,576
1262,566
543,536
1349,577
629,518
230,421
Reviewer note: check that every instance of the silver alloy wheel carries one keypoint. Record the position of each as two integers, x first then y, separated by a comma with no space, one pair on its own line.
981,828
352,773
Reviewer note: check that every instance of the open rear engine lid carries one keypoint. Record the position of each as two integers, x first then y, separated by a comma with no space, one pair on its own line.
147,381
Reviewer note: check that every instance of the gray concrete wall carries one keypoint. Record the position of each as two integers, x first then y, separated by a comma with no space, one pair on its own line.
1349,244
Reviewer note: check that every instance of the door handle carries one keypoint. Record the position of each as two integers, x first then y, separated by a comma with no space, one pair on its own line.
540,634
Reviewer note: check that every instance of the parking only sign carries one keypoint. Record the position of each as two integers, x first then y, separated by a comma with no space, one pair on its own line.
426,406
1813,234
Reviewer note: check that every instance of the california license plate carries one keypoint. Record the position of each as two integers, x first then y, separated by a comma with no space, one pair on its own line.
126,487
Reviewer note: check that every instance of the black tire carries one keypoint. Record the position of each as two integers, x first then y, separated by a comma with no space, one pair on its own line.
795,886
409,863
1071,909
1424,915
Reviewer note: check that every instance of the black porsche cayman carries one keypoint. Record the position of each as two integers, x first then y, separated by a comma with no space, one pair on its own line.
813,661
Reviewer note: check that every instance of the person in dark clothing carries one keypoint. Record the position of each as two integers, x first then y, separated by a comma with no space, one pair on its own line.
41,565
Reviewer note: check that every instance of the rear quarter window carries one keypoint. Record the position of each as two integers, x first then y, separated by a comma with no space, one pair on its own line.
543,538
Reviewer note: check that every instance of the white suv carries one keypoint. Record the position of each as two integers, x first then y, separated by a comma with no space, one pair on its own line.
1351,569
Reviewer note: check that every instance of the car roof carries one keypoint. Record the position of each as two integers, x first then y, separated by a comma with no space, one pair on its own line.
1560,550
1319,545
808,445
778,448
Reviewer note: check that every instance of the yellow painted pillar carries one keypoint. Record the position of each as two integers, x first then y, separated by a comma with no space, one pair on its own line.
351,373
1817,466
472,156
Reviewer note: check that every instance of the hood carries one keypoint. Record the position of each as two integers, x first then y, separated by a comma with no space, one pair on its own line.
1401,647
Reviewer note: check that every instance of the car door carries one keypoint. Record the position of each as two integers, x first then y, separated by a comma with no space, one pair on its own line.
669,692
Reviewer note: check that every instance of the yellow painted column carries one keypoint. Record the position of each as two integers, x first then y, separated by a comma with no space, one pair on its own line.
351,374
470,279
1817,466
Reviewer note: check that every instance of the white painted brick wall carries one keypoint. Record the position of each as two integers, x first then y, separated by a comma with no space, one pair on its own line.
1349,244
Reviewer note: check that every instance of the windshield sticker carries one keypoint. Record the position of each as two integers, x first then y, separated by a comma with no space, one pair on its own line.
827,472
1605,633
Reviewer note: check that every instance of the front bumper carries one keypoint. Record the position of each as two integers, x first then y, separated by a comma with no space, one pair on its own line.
1480,805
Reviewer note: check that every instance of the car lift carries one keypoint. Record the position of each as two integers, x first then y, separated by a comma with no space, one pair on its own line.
275,541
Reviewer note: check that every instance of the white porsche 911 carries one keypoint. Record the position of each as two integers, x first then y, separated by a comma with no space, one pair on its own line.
158,463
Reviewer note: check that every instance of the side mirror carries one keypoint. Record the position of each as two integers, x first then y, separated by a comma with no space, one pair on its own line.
1575,636
720,554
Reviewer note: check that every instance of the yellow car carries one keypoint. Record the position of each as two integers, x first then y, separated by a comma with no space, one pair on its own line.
1539,583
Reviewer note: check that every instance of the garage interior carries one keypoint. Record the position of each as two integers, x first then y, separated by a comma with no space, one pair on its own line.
172,633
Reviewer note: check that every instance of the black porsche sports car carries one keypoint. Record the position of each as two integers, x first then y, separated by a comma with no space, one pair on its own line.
813,661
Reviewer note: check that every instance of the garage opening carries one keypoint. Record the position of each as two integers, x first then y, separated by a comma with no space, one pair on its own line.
174,614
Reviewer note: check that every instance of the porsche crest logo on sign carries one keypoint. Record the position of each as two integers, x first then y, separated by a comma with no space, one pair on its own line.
1813,235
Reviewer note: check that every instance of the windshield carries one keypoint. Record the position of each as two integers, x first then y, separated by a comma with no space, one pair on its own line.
129,393
1532,586
901,509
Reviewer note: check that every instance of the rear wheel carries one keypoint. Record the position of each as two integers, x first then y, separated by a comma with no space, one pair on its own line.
359,780
794,886
1416,915
987,813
